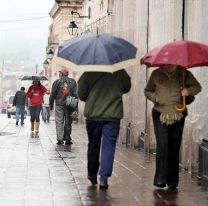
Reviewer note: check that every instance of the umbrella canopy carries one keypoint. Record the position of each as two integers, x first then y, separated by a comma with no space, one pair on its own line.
37,78
186,54
97,52
183,53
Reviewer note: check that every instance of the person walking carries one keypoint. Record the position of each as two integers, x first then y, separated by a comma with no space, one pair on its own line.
35,93
102,93
61,88
20,101
45,107
164,88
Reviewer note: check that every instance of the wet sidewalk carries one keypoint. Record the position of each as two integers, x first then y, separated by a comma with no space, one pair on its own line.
37,172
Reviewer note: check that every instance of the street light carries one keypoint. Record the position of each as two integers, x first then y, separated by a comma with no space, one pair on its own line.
72,28
80,16
45,64
50,53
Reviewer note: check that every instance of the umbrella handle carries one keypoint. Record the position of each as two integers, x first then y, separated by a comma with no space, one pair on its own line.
177,108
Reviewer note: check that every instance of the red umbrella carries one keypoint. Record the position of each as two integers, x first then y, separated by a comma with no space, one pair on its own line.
183,53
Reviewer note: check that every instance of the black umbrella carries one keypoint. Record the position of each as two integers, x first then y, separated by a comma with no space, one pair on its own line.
33,78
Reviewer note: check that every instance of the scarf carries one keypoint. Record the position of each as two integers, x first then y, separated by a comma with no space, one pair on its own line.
170,118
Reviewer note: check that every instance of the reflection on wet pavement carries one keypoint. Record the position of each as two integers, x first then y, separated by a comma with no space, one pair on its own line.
34,171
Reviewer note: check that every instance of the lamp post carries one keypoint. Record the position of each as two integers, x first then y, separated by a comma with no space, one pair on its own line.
72,28
80,16
45,64
36,68
50,53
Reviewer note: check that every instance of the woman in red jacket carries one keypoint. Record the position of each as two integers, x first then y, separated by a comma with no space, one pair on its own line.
35,93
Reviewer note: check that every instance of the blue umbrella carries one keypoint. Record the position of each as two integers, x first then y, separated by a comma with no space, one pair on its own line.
97,52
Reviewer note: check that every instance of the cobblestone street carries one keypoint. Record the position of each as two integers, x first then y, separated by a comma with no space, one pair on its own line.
36,172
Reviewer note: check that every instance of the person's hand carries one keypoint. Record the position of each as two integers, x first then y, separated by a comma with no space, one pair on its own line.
184,92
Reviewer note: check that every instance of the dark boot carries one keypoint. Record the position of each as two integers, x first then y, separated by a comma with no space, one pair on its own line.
32,126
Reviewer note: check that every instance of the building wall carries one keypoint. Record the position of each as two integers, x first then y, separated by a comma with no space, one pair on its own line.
61,15
196,124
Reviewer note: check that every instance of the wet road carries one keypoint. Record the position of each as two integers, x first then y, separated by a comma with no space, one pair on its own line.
37,172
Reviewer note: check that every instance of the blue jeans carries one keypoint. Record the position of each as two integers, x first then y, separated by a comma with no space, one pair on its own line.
35,113
102,136
46,113
20,109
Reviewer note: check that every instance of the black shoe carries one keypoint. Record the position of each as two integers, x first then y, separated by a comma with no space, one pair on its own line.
160,184
60,142
16,123
93,181
22,123
103,184
172,187
68,142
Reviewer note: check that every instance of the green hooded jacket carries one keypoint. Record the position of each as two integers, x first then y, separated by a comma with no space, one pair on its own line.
102,93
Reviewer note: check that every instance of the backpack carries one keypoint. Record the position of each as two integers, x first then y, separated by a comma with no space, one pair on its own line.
71,98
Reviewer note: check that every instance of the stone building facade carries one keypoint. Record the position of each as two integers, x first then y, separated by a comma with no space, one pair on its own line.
147,24
58,33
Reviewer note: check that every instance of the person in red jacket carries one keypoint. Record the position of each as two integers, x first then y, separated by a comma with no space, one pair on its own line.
35,93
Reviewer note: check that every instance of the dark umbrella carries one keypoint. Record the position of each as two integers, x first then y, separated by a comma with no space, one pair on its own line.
186,54
97,52
34,78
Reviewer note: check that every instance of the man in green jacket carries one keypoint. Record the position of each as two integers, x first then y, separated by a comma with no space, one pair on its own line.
102,93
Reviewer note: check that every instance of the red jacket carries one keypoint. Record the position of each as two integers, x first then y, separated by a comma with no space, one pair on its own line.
36,95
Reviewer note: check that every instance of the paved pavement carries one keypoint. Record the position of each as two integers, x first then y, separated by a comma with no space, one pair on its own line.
36,172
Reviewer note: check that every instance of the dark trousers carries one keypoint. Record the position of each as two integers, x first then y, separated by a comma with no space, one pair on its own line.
35,113
168,139
102,136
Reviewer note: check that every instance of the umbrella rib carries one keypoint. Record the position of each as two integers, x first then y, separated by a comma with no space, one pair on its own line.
106,53
156,56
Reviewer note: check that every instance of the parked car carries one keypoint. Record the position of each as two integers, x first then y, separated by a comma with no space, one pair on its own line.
4,106
10,109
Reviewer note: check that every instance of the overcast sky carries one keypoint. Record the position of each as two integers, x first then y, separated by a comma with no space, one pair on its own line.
28,37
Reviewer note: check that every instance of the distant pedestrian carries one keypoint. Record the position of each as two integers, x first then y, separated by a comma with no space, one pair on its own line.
102,94
20,101
35,93
45,107
164,89
61,88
